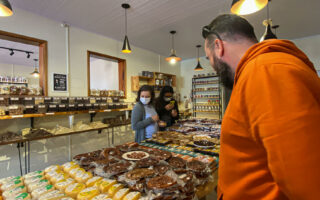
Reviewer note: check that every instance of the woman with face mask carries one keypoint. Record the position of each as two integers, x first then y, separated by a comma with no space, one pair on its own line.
144,116
167,107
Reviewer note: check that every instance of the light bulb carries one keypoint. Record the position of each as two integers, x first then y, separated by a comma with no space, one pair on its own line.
173,61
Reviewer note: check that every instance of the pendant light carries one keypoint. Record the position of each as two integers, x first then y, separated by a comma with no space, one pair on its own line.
198,67
5,8
126,46
268,34
246,7
172,59
35,73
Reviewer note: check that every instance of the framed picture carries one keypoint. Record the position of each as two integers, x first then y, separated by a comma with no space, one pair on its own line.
60,82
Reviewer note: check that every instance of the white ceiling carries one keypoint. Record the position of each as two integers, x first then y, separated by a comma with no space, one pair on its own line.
18,58
149,21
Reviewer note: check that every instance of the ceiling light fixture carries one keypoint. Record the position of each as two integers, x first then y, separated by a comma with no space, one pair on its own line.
172,59
11,53
5,8
35,73
246,7
198,67
126,46
268,34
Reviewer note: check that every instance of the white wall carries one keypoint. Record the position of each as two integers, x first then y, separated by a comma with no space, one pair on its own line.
311,47
19,71
52,151
104,74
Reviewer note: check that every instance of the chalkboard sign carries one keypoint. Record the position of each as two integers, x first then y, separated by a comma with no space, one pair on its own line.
60,82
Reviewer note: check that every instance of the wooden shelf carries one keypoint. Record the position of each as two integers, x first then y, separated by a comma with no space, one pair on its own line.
202,111
145,77
216,76
135,80
61,113
58,135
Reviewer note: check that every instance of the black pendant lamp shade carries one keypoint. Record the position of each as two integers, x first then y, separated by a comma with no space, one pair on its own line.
35,73
246,7
126,46
173,58
198,67
268,34
5,8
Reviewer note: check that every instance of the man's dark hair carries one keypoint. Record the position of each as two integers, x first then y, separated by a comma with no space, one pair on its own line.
146,88
229,27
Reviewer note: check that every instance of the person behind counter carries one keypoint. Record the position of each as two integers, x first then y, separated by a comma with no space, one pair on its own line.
144,116
167,107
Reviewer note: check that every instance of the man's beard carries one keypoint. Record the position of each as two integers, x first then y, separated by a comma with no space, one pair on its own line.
224,71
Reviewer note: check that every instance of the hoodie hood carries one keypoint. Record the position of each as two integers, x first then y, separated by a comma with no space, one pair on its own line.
268,46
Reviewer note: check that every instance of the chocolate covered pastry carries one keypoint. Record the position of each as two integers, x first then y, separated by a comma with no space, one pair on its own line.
117,168
147,162
196,166
138,174
162,169
161,182
114,152
177,162
162,155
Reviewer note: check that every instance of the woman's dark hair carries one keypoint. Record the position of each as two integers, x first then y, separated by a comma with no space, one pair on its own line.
146,88
165,89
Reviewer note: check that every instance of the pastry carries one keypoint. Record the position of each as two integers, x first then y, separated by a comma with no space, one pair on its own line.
105,184
63,184
53,195
11,185
101,197
114,189
88,193
52,168
196,166
177,162
146,162
41,191
121,193
161,169
22,196
35,185
83,177
74,189
161,182
132,196
162,155
92,181
140,173
117,168
58,178
32,174
10,193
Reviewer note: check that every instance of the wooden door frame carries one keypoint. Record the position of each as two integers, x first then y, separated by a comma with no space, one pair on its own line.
43,54
122,69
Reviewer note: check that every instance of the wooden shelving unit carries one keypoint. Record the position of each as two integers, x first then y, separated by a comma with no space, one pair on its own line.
135,80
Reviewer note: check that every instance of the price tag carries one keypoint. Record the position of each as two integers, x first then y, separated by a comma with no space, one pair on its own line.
49,113
92,111
108,110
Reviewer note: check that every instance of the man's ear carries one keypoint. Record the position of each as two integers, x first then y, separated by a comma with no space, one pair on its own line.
219,48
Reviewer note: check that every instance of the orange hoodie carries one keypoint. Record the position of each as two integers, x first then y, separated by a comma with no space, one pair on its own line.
270,138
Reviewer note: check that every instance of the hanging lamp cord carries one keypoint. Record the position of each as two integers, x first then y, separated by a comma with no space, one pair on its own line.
198,53
125,13
172,41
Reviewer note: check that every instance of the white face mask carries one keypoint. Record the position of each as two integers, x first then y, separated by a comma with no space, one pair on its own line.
167,98
145,101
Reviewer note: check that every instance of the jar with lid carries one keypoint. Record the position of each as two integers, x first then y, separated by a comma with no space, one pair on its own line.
79,100
62,108
96,106
64,100
88,106
29,109
56,100
103,106
3,110
92,100
15,100
28,101
86,100
47,100
80,106
52,108
38,100
41,109
16,109
72,100
71,107
4,101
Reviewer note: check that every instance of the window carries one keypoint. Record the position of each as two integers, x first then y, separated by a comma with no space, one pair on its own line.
106,72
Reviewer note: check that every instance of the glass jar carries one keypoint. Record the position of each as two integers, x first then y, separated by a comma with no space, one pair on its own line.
16,110
52,108
80,106
29,109
28,101
41,109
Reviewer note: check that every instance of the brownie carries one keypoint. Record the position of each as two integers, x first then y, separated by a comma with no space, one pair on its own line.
161,182
196,166
117,168
138,174
162,155
162,169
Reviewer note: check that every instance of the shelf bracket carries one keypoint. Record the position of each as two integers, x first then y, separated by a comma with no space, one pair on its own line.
32,122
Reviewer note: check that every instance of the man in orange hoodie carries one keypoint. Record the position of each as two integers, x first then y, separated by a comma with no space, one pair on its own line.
270,136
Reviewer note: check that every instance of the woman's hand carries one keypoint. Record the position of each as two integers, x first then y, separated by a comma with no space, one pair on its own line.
155,118
169,107
174,113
